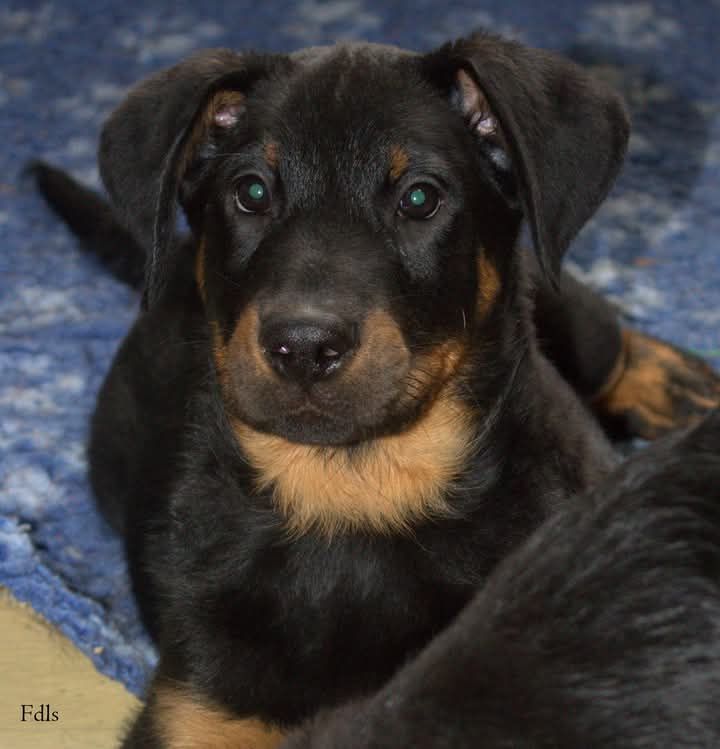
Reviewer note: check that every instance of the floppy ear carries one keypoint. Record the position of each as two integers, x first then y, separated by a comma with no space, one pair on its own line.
148,143
560,132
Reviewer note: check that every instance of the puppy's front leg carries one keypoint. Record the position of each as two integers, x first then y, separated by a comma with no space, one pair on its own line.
178,717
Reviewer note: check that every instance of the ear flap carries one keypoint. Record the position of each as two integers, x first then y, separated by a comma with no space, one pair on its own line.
145,144
564,132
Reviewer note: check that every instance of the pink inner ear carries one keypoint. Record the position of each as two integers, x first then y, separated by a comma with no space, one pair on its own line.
228,115
475,106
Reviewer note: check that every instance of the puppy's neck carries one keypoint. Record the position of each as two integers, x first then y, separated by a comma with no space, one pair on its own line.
386,485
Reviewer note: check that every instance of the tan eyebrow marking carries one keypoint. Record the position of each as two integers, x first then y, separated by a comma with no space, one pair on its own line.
399,162
271,151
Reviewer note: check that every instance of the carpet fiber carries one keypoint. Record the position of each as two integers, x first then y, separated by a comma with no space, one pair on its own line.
65,63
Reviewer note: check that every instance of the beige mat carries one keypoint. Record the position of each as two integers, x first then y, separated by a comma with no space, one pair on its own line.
40,667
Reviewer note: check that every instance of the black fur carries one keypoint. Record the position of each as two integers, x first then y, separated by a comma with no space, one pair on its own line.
93,222
554,117
602,631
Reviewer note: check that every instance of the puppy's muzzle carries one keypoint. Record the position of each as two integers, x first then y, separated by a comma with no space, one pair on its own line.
308,349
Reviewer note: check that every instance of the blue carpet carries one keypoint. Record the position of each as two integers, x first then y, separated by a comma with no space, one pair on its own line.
65,64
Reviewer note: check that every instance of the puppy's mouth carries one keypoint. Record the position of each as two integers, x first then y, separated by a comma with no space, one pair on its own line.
318,388
309,425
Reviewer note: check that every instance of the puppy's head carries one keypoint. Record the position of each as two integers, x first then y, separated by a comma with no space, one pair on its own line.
356,210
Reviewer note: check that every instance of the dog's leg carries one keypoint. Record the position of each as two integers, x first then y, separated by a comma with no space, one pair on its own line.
177,717
636,384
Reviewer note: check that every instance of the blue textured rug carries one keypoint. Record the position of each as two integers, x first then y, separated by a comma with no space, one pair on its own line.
64,64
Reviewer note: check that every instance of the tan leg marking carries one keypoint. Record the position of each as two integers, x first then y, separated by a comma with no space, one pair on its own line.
186,721
656,387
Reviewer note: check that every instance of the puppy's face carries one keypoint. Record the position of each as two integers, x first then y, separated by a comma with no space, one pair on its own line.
341,207
356,210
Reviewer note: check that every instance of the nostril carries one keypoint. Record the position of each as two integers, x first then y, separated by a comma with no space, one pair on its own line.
329,353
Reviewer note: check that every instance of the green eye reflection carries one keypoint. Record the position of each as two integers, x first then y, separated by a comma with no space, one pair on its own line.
252,195
418,197
256,191
421,201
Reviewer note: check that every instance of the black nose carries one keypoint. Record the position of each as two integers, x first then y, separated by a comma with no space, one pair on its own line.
307,350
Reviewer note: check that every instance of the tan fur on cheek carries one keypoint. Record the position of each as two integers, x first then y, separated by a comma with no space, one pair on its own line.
219,352
242,346
489,286
431,370
244,342
185,721
200,270
382,341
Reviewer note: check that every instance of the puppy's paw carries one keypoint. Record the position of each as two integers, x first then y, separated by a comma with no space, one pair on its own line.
656,388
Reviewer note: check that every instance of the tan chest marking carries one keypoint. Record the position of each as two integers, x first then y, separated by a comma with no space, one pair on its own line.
385,486
489,286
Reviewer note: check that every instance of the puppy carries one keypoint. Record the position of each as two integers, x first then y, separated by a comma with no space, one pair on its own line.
602,630
333,416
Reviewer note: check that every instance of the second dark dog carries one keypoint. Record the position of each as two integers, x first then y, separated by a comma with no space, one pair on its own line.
601,632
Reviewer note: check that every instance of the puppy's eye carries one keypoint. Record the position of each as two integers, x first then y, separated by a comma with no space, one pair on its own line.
420,201
252,195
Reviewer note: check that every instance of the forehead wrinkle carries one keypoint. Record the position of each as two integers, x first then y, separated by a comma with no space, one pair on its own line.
341,115
344,160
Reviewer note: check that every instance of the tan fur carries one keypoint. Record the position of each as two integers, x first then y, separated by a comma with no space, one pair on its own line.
204,123
271,151
242,344
385,486
382,340
399,162
647,382
187,722
200,271
431,370
245,341
218,348
489,285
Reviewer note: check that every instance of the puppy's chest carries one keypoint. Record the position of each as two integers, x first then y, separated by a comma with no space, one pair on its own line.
319,581
332,618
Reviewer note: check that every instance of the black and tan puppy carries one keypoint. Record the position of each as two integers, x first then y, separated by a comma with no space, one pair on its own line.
601,631
333,416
